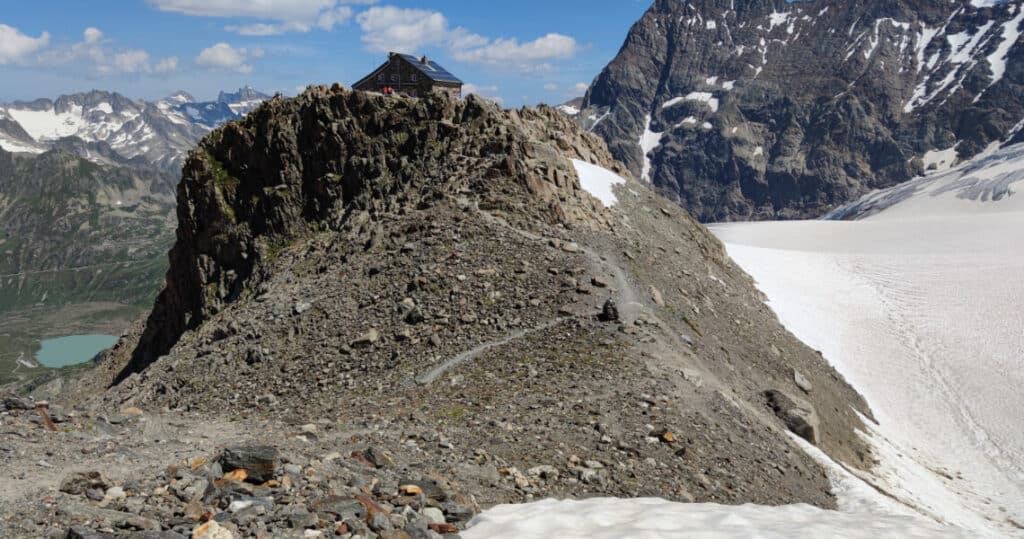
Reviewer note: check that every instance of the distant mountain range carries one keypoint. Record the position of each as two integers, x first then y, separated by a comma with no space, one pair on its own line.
109,128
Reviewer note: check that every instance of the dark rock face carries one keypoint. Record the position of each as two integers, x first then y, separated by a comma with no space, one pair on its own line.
764,109
259,462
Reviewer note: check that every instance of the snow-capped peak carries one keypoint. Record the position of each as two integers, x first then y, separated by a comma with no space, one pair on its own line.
161,132
180,97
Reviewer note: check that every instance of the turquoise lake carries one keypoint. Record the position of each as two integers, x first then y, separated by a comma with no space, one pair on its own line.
65,351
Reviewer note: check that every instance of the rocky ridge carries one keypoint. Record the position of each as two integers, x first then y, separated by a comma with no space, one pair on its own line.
768,109
391,293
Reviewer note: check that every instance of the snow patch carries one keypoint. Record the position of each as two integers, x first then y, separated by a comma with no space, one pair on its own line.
778,19
938,160
705,97
598,181
649,141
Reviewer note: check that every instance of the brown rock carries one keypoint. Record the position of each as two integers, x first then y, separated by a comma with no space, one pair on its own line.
443,528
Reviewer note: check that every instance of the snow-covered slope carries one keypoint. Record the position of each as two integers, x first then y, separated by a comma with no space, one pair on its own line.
157,133
993,179
917,302
659,519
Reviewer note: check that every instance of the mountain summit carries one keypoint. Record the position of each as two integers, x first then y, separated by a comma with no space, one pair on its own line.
768,109
490,283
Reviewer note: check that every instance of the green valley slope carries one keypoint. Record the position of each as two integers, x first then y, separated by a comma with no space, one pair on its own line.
82,248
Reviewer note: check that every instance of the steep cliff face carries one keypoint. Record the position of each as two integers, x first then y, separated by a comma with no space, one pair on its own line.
768,109
440,266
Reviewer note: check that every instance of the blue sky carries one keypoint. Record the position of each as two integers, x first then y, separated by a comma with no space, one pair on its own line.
522,51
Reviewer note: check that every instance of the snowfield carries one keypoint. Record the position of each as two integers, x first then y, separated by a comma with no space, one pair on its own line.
647,518
918,303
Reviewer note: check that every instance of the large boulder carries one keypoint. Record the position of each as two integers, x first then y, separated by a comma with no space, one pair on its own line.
798,414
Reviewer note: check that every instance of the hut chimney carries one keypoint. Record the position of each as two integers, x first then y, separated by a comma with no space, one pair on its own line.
424,60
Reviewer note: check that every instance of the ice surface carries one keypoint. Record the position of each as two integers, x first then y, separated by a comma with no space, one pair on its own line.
918,305
598,181
648,518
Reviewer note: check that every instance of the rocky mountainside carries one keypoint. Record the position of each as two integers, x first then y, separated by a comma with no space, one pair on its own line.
767,109
64,221
82,249
100,123
415,307
244,101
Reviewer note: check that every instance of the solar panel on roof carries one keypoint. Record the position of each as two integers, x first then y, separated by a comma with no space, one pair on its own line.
432,69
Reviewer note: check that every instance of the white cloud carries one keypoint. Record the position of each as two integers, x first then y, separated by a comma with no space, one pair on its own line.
264,29
95,53
551,87
273,17
582,87
15,46
333,17
526,56
325,21
224,56
284,10
389,28
131,61
92,35
166,65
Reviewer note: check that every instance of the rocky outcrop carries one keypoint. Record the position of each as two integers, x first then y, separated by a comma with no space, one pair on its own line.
338,160
767,109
